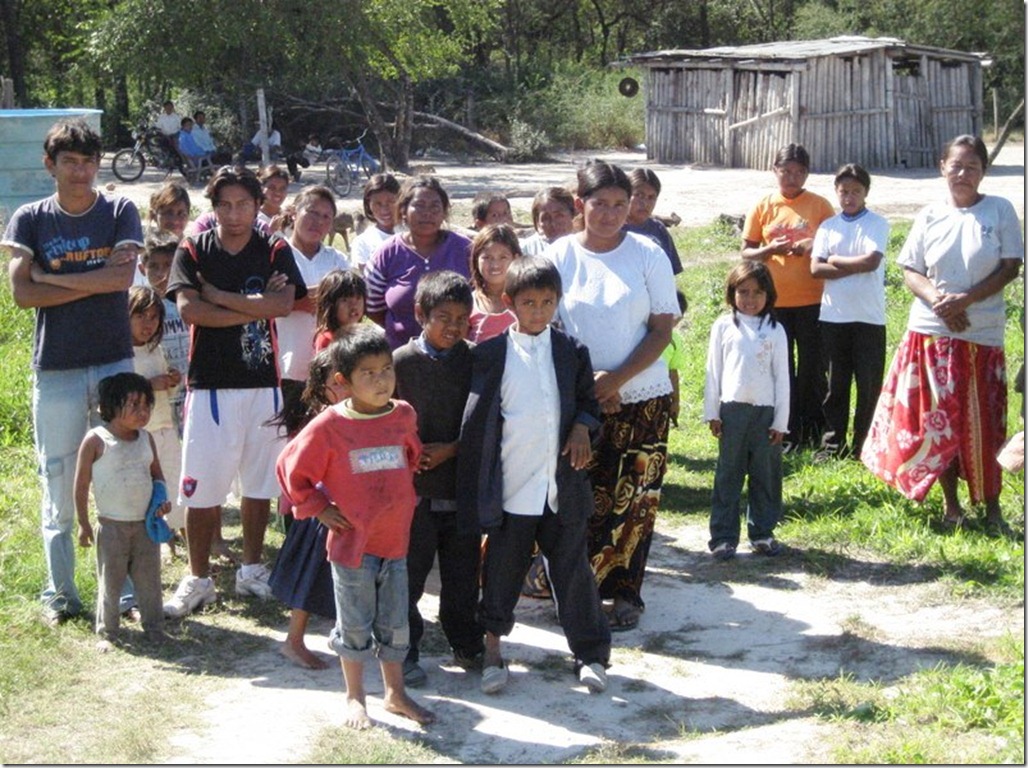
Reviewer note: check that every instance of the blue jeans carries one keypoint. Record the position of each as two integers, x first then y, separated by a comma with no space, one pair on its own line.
64,408
745,451
371,610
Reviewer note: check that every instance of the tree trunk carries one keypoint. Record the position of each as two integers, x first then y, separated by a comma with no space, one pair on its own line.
492,148
1005,133
15,53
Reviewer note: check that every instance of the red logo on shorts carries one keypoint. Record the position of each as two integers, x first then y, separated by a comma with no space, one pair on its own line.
188,486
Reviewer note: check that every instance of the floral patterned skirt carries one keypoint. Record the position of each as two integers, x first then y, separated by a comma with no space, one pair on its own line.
943,399
627,475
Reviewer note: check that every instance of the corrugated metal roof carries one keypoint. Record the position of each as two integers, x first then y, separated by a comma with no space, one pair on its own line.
797,50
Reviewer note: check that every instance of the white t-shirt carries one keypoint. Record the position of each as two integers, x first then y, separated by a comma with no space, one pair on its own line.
169,124
747,363
530,407
296,330
274,139
367,242
858,298
149,363
534,245
607,302
956,248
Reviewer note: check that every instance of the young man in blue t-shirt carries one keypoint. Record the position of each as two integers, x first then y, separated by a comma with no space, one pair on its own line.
73,256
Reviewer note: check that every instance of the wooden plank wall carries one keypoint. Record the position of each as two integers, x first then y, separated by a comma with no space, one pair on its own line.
685,115
852,108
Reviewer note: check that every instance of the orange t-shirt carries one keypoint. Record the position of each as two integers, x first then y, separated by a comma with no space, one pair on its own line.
797,219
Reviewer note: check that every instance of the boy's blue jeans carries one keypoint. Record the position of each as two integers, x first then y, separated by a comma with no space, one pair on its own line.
746,450
371,610
64,408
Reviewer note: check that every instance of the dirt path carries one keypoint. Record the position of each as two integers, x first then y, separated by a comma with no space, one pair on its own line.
716,651
698,194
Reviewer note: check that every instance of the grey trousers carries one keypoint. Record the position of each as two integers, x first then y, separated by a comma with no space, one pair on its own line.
124,549
746,451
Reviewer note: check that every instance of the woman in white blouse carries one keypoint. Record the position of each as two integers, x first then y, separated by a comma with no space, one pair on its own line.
619,300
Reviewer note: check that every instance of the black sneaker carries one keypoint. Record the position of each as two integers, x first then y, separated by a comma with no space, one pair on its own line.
413,675
468,661
723,551
767,546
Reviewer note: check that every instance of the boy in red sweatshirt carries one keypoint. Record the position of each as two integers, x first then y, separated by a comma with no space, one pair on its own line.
353,468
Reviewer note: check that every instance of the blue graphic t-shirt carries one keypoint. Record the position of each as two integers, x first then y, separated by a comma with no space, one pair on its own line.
93,330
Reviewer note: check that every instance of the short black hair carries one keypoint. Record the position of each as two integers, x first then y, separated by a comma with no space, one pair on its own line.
855,172
239,175
530,272
160,241
792,153
483,200
72,136
113,392
363,341
440,287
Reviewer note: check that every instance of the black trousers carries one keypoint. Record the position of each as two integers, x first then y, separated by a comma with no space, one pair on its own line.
508,555
807,384
459,558
855,352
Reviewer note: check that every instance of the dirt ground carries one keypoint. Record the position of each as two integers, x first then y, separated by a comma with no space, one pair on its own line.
719,644
698,194
715,654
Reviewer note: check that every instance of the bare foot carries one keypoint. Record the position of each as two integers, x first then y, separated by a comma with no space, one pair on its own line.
404,705
357,715
302,656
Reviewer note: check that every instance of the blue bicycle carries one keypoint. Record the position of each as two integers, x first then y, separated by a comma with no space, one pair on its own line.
345,165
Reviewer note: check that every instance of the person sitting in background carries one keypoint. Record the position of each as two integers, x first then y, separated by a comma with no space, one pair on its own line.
278,152
193,153
169,123
219,155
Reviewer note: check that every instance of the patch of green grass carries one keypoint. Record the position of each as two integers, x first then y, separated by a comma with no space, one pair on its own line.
618,753
947,714
16,329
375,746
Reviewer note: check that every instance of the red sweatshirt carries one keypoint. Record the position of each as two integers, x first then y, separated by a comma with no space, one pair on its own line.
363,464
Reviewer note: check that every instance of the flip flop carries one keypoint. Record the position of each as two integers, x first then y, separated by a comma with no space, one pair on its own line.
625,619
494,679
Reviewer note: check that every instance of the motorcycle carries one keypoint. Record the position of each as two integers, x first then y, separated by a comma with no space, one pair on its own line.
151,148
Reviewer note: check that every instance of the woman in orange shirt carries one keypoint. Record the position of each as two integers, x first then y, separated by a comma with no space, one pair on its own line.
779,231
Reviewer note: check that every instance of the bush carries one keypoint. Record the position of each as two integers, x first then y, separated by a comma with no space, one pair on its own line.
581,108
526,142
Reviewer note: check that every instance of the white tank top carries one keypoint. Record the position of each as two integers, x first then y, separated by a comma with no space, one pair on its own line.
121,476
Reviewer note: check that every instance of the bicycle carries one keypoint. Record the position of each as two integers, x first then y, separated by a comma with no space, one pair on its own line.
345,165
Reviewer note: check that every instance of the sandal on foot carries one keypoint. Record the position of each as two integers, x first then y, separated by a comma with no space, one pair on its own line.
494,679
953,523
624,618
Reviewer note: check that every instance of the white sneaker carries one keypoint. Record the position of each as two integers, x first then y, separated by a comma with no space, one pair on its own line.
193,593
593,676
255,582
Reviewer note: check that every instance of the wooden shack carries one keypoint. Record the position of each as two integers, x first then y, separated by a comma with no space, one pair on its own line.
877,101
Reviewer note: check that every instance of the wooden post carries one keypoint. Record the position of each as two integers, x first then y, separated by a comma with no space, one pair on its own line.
995,112
262,119
7,95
